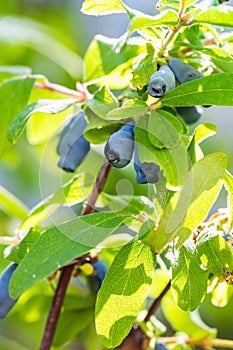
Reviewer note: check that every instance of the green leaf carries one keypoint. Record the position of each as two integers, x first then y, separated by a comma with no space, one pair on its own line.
163,5
93,228
51,251
14,94
174,162
189,279
144,70
71,193
228,182
129,109
220,16
218,54
16,253
214,252
102,7
201,133
162,131
216,89
189,207
169,18
189,322
120,299
59,245
99,130
102,102
11,205
44,106
101,57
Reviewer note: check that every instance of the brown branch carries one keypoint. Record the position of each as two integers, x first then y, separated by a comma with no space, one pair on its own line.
66,271
137,339
97,188
157,302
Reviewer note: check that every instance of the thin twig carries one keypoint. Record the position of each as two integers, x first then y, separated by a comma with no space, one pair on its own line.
81,95
97,188
157,302
66,271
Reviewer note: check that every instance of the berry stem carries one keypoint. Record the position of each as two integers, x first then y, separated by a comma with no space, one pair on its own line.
66,271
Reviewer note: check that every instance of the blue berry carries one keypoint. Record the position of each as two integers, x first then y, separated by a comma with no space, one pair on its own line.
161,82
100,270
183,71
190,114
6,301
119,147
72,146
145,172
160,346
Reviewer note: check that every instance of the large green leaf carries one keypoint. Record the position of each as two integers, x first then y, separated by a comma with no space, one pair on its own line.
220,16
189,206
162,131
14,94
11,205
216,89
71,193
101,57
43,106
220,57
58,245
189,279
184,321
93,228
169,17
51,251
99,130
102,7
123,291
201,133
129,109
214,252
174,162
16,253
144,70
102,102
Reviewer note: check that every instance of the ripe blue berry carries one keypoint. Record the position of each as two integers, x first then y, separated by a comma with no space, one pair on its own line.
183,71
145,172
119,147
161,82
72,146
190,114
100,270
160,346
6,302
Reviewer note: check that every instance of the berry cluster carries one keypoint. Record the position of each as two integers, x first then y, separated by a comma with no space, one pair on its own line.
120,147
164,80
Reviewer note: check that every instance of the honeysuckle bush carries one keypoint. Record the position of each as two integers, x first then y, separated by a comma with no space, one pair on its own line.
145,241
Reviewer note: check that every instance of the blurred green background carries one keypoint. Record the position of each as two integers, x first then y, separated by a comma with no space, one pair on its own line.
51,36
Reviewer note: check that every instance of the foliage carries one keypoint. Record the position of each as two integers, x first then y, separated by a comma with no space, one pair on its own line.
146,241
